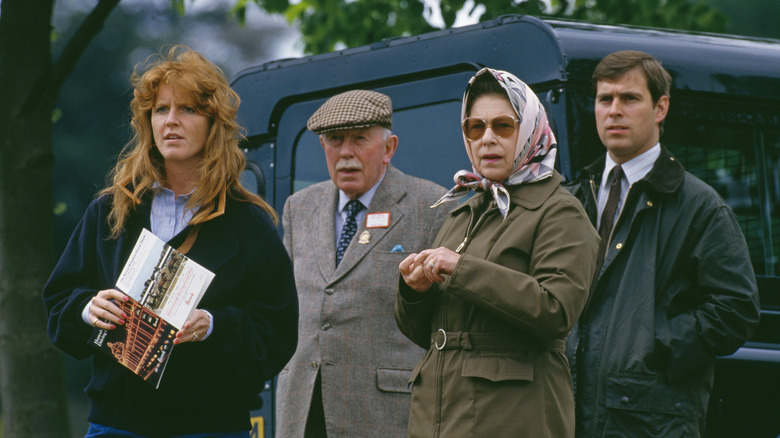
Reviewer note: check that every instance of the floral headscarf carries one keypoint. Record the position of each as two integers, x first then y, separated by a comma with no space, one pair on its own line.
534,153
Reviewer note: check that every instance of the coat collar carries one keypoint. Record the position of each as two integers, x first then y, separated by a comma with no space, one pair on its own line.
390,192
126,187
214,246
665,176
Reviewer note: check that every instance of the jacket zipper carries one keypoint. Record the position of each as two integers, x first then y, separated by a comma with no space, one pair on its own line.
440,357
470,230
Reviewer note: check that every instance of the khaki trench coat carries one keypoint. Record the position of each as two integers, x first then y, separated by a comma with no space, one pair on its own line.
495,329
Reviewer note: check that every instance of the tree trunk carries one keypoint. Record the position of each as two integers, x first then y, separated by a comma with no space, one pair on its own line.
32,376
32,372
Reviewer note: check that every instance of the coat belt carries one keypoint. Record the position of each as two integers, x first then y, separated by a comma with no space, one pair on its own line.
443,340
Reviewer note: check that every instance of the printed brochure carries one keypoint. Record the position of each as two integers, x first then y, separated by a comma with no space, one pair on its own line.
164,287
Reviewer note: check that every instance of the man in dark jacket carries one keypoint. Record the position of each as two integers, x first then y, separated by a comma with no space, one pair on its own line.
674,284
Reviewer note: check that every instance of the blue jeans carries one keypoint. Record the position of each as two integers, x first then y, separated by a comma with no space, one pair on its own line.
98,430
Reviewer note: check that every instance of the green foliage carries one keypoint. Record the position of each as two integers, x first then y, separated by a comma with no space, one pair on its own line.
178,6
497,8
60,208
695,15
330,24
239,11
56,115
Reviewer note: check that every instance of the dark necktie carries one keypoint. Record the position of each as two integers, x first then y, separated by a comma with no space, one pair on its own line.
348,230
608,215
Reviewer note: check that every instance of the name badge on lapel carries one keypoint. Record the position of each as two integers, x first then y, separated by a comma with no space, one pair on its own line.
378,220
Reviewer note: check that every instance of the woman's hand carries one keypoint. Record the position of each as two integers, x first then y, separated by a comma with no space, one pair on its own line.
104,312
421,270
413,274
194,329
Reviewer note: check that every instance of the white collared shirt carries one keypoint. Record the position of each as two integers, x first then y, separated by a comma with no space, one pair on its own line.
341,211
633,170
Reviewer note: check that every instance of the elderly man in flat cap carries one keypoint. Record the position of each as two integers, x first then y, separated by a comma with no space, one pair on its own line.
349,376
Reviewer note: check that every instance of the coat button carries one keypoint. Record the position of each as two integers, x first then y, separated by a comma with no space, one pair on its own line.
618,246
624,400
329,291
649,203
326,326
678,406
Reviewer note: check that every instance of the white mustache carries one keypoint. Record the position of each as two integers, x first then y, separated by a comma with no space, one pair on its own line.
349,163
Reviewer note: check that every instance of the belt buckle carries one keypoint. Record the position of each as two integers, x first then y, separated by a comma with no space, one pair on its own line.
436,342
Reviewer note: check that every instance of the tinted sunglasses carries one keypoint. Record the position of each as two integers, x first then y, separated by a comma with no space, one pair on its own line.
503,126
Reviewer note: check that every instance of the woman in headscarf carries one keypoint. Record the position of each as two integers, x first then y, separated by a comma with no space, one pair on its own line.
506,279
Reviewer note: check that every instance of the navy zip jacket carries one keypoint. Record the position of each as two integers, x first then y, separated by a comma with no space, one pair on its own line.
207,386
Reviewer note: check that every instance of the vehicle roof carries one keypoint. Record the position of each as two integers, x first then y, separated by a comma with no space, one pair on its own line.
704,62
540,52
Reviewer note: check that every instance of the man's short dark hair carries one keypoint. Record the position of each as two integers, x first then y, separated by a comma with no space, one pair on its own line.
616,64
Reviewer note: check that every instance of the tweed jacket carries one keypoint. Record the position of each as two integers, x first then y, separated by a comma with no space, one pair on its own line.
495,328
347,330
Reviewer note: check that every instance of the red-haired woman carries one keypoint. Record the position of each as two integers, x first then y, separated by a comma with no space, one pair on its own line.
178,177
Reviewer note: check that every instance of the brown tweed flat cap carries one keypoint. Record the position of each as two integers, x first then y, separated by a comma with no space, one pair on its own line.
352,110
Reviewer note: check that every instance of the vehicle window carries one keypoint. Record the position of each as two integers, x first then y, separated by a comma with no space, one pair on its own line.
253,179
258,175
309,162
768,143
430,143
725,156
430,146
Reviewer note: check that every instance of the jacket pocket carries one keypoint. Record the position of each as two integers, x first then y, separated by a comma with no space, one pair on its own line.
393,380
497,367
645,405
390,256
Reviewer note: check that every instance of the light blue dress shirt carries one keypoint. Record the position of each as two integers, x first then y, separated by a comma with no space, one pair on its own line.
169,213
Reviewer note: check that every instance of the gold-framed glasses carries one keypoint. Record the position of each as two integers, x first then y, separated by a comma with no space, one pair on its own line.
503,126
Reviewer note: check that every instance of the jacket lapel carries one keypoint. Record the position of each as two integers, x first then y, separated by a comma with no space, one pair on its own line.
386,199
665,177
323,226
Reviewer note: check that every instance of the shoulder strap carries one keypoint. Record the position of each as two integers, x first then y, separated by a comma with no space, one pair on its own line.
190,240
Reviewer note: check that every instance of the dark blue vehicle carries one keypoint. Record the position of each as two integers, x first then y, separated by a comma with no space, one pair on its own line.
724,125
